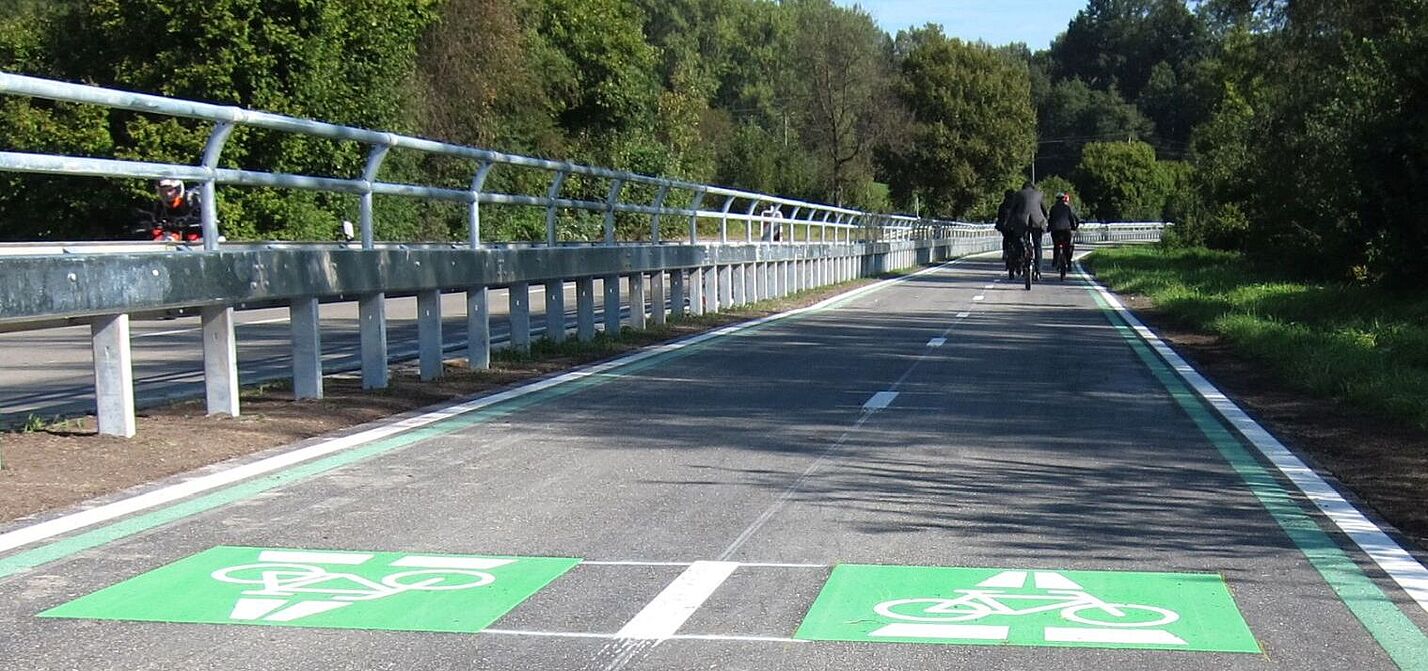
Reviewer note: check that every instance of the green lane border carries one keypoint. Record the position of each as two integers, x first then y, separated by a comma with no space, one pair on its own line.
1405,643
677,349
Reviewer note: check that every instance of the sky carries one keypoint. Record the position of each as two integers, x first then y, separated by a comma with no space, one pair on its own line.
996,22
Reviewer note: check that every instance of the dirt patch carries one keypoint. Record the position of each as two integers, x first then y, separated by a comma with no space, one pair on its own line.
1381,461
1384,463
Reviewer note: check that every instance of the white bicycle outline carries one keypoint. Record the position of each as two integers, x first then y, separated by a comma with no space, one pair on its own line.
975,604
290,579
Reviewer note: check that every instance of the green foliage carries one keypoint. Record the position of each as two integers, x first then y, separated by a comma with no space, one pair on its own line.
972,125
1122,181
1347,341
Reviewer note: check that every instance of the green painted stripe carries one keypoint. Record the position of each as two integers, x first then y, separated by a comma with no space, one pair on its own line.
128,527
1404,642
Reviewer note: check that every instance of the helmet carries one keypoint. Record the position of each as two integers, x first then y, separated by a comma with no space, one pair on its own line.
165,184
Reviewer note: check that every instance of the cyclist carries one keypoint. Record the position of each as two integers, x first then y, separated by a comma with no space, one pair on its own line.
1063,221
1028,215
1003,216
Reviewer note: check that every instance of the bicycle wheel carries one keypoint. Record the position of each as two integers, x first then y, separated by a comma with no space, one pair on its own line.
933,610
263,574
436,580
1132,615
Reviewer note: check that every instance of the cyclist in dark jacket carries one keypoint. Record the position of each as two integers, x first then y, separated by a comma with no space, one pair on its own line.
1028,213
1063,221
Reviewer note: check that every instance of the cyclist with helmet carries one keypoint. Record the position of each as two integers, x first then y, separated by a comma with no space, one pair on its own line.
1063,221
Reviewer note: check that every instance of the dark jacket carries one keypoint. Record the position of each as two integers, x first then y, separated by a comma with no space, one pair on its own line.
1063,218
1027,210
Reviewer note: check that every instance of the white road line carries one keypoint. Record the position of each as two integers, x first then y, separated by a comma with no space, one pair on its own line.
979,298
292,557
937,342
1387,554
1049,580
1126,636
971,632
473,563
880,401
963,315
667,613
678,637
1005,580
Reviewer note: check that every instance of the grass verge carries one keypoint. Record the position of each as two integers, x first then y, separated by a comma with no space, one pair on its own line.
1353,343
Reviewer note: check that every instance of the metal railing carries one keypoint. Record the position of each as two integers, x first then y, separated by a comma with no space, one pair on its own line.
754,208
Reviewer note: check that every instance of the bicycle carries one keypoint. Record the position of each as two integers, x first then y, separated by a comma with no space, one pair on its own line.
287,580
1062,253
1073,605
1028,258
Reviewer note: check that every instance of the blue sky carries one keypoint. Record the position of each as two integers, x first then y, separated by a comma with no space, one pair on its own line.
996,22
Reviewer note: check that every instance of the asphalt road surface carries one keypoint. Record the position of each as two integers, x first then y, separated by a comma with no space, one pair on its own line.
946,472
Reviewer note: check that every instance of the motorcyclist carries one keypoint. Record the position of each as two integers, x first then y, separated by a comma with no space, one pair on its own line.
1063,221
176,212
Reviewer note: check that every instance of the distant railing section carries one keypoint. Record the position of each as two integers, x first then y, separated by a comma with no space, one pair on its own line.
818,222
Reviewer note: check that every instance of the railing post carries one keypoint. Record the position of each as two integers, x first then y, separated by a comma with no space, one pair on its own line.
208,190
473,221
550,212
658,281
637,301
306,340
788,235
676,293
724,221
610,200
429,352
555,311
696,291
113,376
369,175
372,320
478,328
519,296
220,360
585,309
694,217
749,221
611,285
658,206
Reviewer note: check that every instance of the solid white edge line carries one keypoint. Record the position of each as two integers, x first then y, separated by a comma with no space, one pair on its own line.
663,616
880,400
303,557
85,518
677,637
1382,549
1122,636
967,632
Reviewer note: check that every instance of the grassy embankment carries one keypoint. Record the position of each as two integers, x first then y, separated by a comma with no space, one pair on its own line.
1349,342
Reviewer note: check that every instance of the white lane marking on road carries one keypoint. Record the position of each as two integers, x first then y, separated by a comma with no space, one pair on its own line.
252,609
1126,636
49,529
303,609
963,315
937,342
1385,552
667,613
1049,580
973,632
979,298
677,637
473,563
690,563
1005,580
292,557
880,401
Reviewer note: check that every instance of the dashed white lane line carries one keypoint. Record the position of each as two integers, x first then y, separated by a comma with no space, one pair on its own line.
979,298
880,400
667,613
677,637
937,342
963,315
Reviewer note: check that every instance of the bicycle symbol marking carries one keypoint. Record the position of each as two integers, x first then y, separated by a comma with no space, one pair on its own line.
279,579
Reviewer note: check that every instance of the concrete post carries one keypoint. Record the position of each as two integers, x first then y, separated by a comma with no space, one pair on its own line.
113,376
220,361
429,354
372,316
555,311
696,291
637,301
780,279
585,309
658,309
303,318
726,286
612,305
520,316
711,289
741,285
676,293
478,329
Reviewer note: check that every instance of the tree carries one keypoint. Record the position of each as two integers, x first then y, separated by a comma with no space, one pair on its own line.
1122,181
972,125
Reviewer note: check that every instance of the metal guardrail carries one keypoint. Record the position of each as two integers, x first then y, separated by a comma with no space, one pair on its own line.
810,216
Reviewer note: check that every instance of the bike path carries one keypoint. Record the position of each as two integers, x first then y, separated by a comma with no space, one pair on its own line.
743,470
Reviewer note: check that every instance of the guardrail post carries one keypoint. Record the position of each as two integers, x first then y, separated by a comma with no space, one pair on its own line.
306,337
726,286
113,376
372,317
220,361
696,291
478,328
429,352
554,193
676,293
519,294
369,175
637,301
694,217
585,309
473,216
612,304
711,289
740,290
724,221
208,190
658,281
555,311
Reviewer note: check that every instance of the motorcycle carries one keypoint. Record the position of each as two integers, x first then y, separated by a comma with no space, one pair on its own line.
149,226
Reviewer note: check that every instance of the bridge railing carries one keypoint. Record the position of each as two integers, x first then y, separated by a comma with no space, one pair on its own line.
825,223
